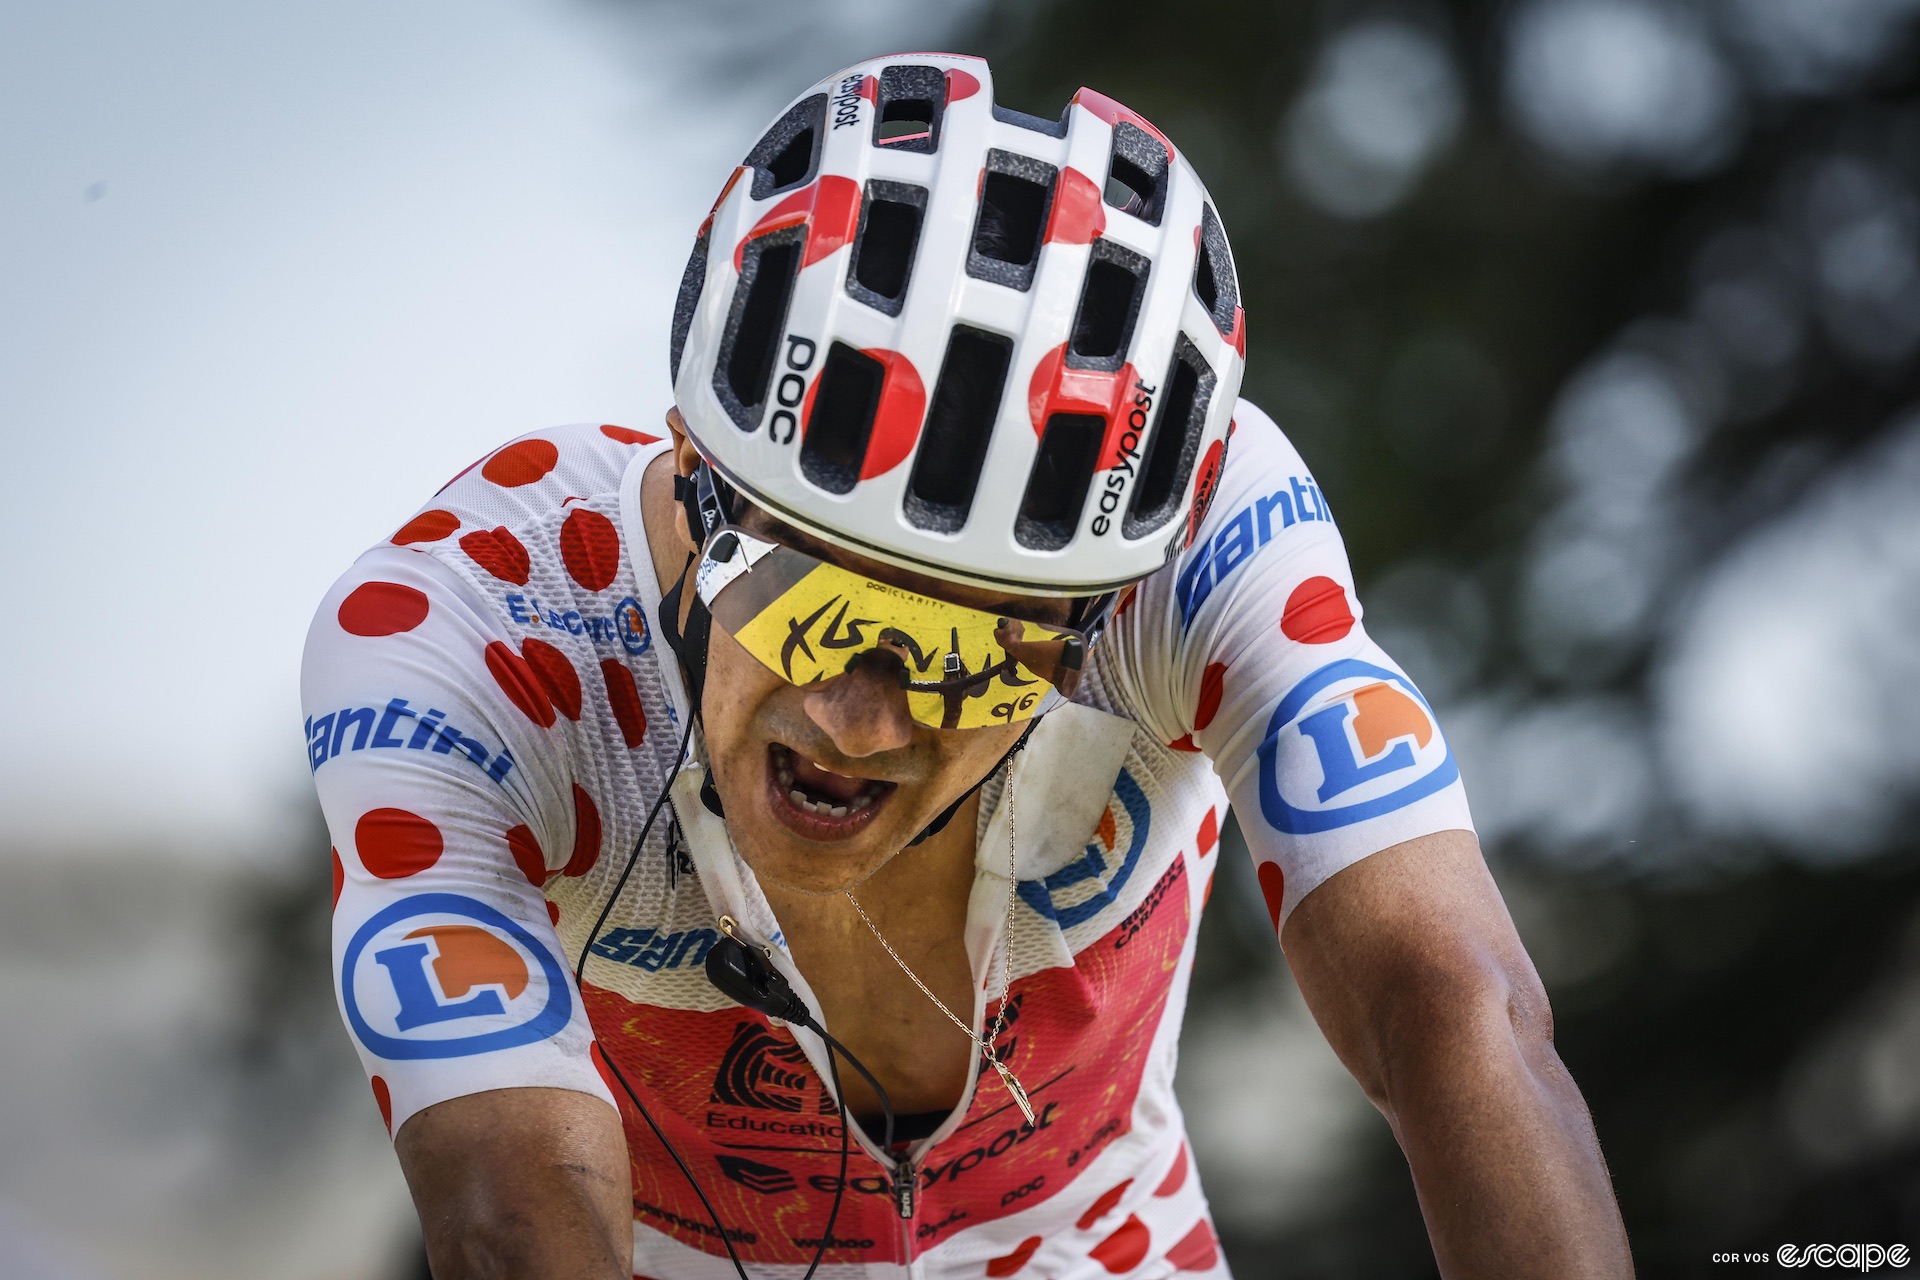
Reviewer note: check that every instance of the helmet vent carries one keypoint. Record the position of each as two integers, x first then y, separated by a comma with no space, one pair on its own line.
692,280
911,102
768,266
953,446
1137,173
845,402
1213,280
1175,443
1015,193
1039,124
788,154
1109,306
890,220
1057,486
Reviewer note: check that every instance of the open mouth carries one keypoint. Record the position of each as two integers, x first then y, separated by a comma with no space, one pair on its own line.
816,802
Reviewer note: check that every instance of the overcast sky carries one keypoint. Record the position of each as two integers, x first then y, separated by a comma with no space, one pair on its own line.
269,275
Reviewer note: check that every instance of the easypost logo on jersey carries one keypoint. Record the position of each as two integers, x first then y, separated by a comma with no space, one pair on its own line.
441,975
1350,742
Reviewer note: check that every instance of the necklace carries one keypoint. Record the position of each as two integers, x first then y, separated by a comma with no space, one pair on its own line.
985,1044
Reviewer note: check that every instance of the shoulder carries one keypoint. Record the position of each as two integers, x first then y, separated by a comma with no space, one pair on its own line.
533,476
1265,495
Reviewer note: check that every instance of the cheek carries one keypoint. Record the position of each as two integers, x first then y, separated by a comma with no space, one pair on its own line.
972,752
736,686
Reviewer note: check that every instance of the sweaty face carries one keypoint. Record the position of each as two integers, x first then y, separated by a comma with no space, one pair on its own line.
824,783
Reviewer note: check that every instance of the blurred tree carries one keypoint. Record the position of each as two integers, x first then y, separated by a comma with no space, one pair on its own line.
1566,301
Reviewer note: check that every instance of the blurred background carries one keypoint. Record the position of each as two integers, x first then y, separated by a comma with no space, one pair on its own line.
1598,319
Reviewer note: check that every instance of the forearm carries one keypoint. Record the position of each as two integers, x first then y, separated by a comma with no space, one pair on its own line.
1504,1157
1412,967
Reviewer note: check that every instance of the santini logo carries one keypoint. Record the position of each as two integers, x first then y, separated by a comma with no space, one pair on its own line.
1245,532
439,975
1350,742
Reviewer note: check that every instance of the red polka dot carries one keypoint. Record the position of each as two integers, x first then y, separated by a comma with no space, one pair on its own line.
382,609
1206,894
383,1098
586,834
1103,1206
1127,598
606,1072
1185,742
1317,612
428,526
1007,1264
1204,487
590,548
394,844
339,877
897,418
1176,1176
522,462
516,679
1196,1250
1212,686
1209,834
527,855
1273,887
553,913
1122,1251
1078,216
623,695
960,85
626,435
499,553
555,674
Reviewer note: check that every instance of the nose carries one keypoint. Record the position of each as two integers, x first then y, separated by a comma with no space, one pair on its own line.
865,710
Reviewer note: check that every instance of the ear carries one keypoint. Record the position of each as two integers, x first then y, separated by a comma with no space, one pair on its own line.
685,459
685,456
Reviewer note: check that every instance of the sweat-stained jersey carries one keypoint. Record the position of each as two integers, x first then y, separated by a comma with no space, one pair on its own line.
491,714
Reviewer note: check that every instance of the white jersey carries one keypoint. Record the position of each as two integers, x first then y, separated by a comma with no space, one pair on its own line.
491,715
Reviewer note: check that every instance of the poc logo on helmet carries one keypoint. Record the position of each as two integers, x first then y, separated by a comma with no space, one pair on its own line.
440,975
1350,742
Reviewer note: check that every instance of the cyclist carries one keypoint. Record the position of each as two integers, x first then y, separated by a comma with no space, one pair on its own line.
913,667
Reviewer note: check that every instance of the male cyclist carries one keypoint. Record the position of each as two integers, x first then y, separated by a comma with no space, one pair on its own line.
913,670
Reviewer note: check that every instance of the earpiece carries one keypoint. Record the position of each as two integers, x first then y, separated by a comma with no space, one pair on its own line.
744,976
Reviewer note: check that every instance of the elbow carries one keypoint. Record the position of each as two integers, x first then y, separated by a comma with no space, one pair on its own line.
1450,1025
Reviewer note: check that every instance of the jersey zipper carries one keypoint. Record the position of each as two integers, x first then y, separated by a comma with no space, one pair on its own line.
903,1202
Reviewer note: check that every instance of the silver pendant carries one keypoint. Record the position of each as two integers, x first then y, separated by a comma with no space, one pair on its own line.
1013,1087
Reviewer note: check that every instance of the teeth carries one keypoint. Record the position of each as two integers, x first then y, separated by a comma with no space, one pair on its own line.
863,801
838,811
799,798
785,775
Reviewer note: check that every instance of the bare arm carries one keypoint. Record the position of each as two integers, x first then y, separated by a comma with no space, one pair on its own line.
522,1183
1412,968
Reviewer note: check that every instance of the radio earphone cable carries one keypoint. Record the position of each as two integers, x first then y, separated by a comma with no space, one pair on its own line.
765,991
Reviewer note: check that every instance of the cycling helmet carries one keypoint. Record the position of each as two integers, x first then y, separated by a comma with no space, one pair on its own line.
989,347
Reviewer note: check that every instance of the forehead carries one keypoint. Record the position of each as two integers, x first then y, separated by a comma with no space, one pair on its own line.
1056,609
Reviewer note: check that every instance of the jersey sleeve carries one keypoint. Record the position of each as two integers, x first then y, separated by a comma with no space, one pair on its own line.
1251,650
447,808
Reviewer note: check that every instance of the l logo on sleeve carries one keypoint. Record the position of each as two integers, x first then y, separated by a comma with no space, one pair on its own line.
441,975
1350,742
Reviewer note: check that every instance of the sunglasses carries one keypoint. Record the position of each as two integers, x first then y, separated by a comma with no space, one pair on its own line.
808,620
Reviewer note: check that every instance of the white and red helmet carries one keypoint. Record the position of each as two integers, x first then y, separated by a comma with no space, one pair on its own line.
994,348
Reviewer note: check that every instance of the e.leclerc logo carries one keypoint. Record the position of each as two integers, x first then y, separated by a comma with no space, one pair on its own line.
1350,742
440,975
